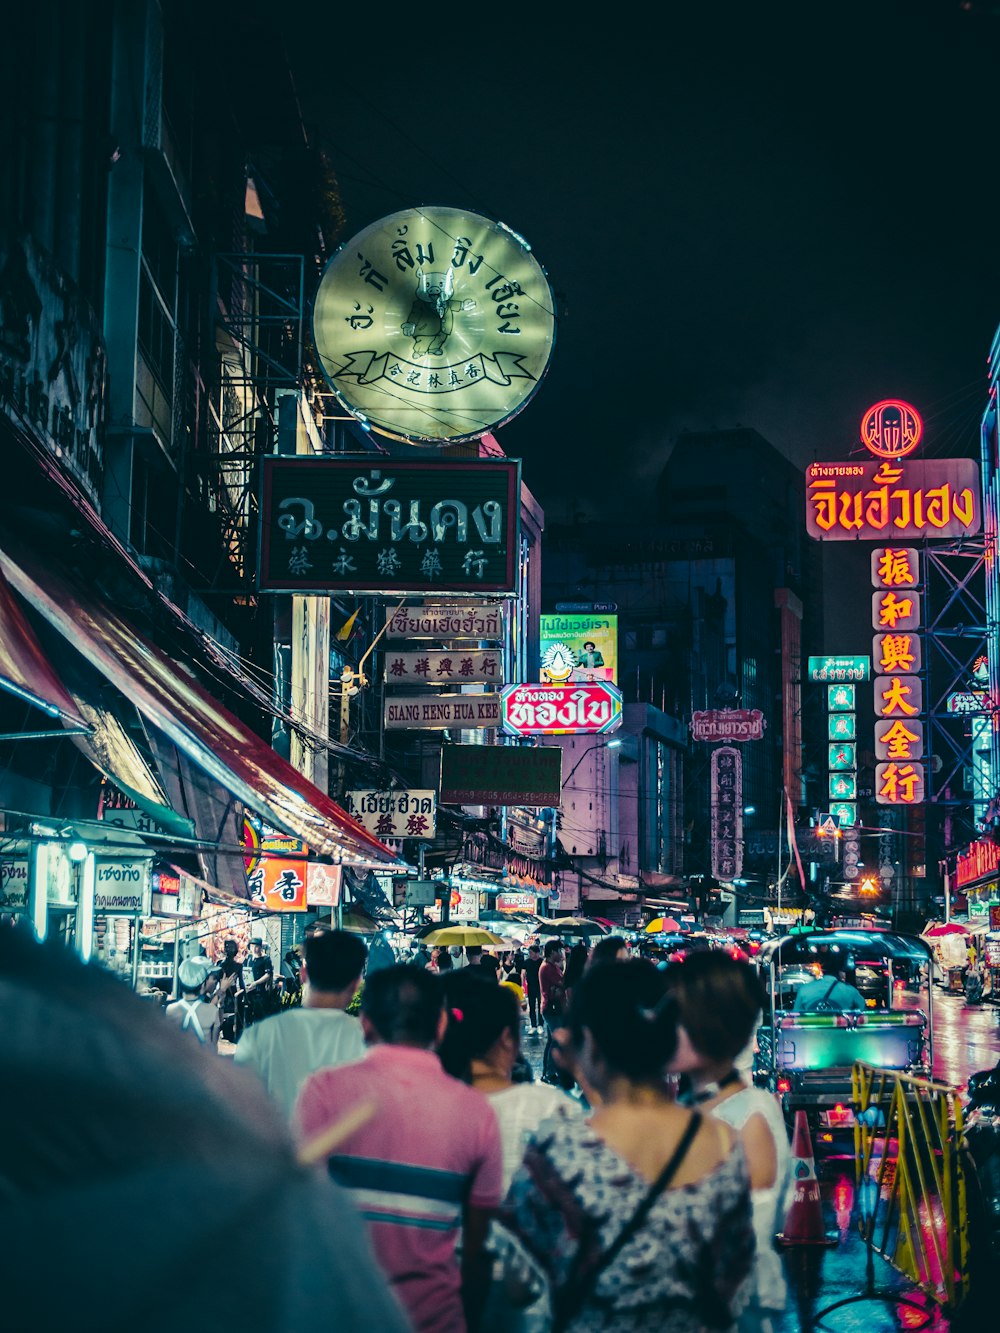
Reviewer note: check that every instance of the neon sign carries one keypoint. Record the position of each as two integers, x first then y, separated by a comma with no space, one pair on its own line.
891,428
872,501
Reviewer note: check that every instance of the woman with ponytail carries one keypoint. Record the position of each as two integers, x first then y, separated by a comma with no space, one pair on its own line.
639,1214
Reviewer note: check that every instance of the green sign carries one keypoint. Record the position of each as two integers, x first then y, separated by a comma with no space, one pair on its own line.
843,756
389,526
842,727
846,812
822,669
841,698
843,787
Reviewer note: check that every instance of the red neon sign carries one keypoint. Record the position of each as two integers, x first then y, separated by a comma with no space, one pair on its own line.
891,428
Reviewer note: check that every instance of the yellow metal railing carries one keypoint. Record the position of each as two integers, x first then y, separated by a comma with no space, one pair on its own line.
911,1181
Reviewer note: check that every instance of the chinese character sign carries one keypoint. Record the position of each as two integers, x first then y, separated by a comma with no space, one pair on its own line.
897,740
896,652
444,667
895,567
434,324
727,812
896,649
394,814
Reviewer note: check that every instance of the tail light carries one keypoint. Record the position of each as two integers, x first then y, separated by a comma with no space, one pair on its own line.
784,1085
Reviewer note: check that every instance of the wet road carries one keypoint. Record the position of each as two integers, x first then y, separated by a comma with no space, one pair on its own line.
966,1037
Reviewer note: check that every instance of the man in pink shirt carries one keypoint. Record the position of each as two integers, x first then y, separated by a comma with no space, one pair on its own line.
427,1165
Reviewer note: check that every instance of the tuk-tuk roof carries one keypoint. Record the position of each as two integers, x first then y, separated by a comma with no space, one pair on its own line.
807,946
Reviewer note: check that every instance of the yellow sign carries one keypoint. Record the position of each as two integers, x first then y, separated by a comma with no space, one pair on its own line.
434,324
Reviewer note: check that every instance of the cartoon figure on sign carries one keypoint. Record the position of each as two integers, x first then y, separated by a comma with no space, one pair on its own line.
431,320
558,663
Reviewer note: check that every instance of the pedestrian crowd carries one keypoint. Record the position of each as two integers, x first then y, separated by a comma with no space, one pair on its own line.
637,1186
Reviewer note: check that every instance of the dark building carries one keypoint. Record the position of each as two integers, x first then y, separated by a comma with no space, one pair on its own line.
718,599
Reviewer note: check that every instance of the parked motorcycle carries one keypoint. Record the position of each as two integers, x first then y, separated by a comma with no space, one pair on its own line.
973,986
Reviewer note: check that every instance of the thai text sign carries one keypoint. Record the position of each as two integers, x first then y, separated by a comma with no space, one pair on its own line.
967,701
14,884
560,710
276,866
578,648
471,621
123,887
438,712
981,860
871,501
434,323
444,667
728,724
727,813
515,902
501,775
337,525
823,669
394,814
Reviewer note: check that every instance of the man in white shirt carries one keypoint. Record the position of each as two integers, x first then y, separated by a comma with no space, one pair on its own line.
285,1049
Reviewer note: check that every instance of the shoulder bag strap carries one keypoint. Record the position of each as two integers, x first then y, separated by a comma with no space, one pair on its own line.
581,1289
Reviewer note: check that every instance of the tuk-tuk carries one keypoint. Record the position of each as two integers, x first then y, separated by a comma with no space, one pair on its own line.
806,1057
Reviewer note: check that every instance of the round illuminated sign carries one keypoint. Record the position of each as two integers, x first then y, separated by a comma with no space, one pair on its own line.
891,429
434,325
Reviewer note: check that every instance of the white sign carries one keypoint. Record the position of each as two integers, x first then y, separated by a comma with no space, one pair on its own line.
323,885
444,666
122,887
394,814
436,712
464,905
14,884
471,621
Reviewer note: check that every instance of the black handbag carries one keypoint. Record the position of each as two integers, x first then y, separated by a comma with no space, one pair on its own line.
572,1296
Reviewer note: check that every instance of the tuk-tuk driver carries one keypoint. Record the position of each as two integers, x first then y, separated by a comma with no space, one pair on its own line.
830,993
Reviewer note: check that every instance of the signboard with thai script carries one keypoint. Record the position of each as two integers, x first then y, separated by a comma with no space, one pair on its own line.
14,883
344,525
276,865
560,710
444,666
472,620
435,324
822,669
980,861
501,775
394,814
464,905
578,648
873,501
123,887
727,813
439,712
516,902
967,701
728,724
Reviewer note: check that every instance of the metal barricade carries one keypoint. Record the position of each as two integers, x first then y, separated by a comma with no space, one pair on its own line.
911,1181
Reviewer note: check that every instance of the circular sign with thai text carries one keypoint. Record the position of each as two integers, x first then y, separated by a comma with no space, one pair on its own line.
891,429
434,325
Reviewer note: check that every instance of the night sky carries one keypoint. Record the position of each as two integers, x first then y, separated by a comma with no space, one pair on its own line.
761,215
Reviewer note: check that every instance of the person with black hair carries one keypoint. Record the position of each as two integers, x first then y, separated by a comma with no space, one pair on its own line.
530,968
576,965
426,1163
640,1214
285,1049
608,949
553,992
719,1002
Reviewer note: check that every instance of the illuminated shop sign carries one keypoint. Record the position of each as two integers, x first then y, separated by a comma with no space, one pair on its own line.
898,740
728,724
967,701
981,860
872,501
841,698
899,784
434,324
335,525
843,755
896,652
842,727
839,668
560,710
898,696
891,428
578,648
895,611
895,567
727,813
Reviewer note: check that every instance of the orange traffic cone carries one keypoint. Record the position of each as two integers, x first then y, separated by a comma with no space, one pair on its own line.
804,1219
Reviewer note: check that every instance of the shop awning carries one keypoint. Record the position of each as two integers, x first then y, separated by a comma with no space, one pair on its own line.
169,697
26,671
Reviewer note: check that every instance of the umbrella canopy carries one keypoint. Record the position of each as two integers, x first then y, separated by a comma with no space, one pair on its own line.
663,923
358,922
945,928
462,935
572,925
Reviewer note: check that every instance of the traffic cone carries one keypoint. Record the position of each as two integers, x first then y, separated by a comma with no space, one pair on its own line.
804,1219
